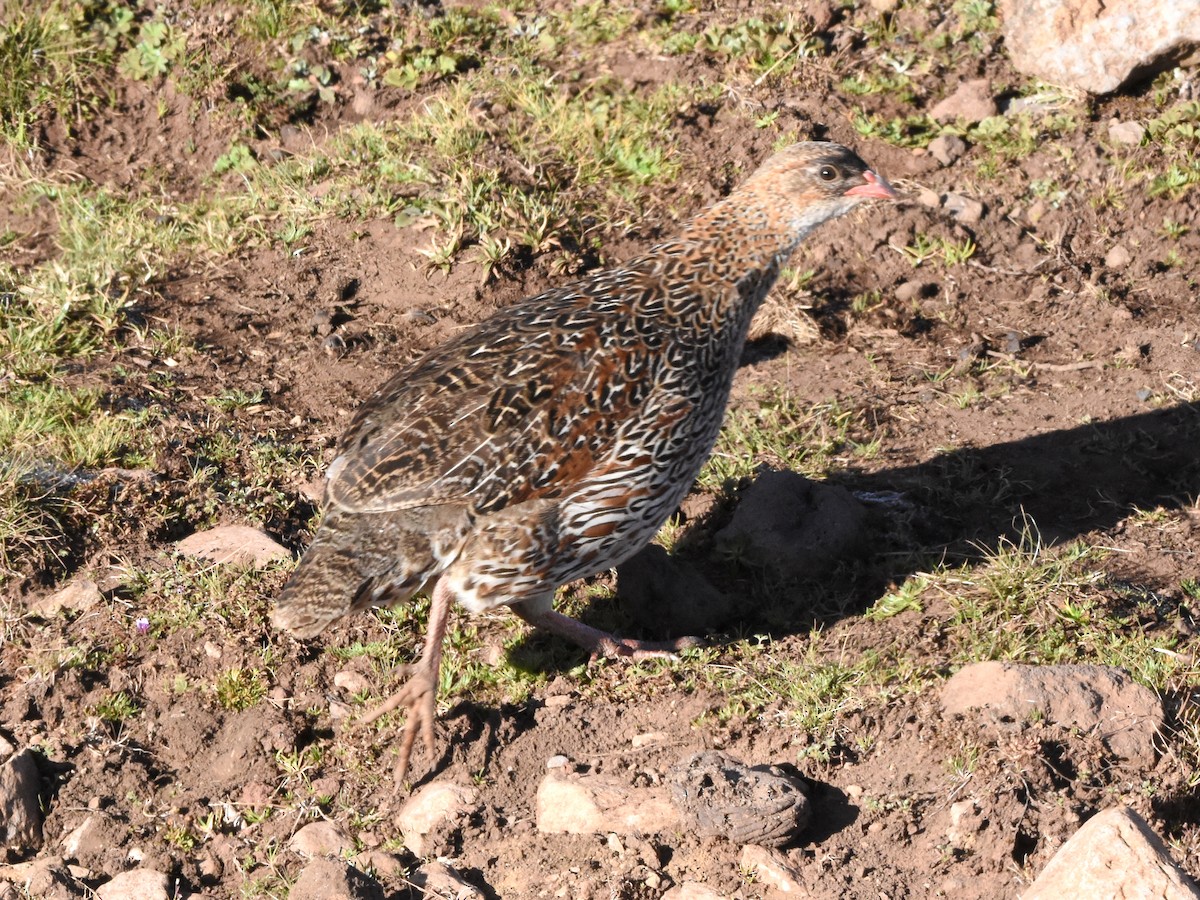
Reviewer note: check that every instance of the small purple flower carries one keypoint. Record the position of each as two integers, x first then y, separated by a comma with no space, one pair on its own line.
142,625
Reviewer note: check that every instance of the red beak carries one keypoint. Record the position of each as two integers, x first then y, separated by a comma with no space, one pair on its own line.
876,187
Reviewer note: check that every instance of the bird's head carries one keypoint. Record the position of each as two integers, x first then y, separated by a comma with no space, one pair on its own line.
812,182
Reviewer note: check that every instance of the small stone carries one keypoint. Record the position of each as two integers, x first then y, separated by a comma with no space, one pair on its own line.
965,824
648,738
7,748
692,890
597,804
438,880
963,209
431,819
1114,854
321,839
971,102
213,651
1144,394
772,869
947,148
321,322
931,199
1103,699
20,806
913,290
77,596
387,864
351,682
1118,257
136,884
334,879
239,544
558,761
884,6
1130,134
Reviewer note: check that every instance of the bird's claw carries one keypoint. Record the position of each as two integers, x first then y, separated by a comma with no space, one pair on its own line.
419,694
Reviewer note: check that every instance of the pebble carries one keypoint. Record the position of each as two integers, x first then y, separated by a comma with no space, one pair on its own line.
1127,133
430,816
947,148
136,884
971,102
351,682
321,839
1118,257
963,209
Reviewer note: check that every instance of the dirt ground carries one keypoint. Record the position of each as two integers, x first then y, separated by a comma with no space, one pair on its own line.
1035,382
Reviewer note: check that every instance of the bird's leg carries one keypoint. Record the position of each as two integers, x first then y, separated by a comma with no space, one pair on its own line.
595,641
419,693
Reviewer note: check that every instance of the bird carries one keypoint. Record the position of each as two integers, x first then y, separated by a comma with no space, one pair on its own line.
552,440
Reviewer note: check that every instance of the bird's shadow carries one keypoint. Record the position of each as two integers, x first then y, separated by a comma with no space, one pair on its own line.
960,506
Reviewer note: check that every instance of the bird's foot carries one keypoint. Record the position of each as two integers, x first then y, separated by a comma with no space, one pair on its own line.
609,646
419,694
601,644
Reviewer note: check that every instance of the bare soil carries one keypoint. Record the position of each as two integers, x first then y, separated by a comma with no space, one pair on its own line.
1085,419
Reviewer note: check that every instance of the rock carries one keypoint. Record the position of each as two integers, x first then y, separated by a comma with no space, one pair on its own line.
947,148
45,879
772,869
439,880
334,879
1114,855
1102,699
1097,47
795,526
884,6
389,864
963,209
1118,257
432,818
1128,133
931,199
238,544
351,682
20,806
321,839
597,804
965,823
971,102
136,884
669,597
692,890
914,290
721,797
77,596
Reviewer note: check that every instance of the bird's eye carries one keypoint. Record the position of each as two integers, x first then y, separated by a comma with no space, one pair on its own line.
829,173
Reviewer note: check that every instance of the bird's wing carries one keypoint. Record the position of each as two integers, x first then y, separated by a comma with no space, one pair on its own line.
517,408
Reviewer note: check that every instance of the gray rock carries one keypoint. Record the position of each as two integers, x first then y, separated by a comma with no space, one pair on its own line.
20,809
1100,699
321,839
432,818
963,209
971,102
1118,257
795,526
721,797
692,890
438,880
947,148
772,868
77,596
1128,133
912,290
598,804
136,884
238,544
1114,855
334,879
1098,47
669,597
